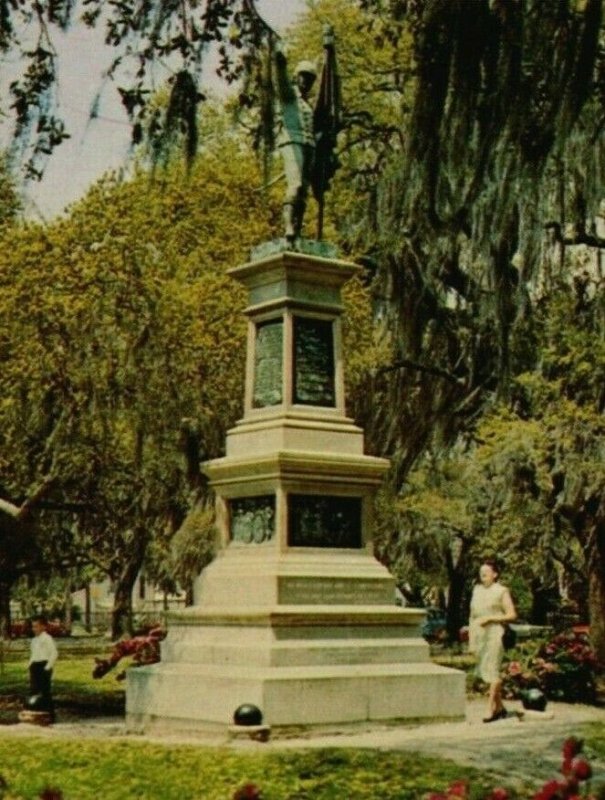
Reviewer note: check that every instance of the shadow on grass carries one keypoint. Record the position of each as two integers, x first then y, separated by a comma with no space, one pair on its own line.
76,694
69,707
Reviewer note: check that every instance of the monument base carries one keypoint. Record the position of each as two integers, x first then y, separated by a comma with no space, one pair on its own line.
306,667
295,615
204,697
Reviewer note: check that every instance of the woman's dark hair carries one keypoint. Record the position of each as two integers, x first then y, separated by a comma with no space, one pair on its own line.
39,618
491,562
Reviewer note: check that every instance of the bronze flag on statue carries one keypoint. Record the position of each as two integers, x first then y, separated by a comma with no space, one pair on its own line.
326,124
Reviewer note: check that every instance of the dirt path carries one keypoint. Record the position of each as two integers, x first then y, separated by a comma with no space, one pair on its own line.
521,751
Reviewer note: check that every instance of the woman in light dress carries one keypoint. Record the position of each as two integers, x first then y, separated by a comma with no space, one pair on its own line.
491,608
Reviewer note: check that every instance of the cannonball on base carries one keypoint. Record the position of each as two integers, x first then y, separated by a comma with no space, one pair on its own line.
247,714
534,700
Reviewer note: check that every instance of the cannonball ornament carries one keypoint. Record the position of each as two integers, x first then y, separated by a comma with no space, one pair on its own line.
248,714
534,700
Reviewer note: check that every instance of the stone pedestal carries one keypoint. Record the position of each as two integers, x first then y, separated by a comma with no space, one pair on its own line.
295,615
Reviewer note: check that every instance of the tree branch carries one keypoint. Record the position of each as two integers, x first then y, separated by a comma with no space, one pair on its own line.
579,237
19,513
405,363
9,508
250,7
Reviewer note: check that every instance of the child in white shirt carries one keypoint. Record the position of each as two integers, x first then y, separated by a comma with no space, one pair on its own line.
43,654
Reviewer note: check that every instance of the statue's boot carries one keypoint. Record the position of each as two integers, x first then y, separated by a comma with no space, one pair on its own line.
289,226
298,214
293,218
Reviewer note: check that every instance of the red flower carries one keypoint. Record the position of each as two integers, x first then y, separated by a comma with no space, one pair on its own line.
51,793
571,747
571,784
581,769
552,790
498,794
248,792
458,789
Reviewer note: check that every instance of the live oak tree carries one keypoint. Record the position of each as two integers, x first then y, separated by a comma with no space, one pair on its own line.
118,324
10,205
124,345
20,550
501,166
491,170
503,139
527,484
565,396
181,38
426,532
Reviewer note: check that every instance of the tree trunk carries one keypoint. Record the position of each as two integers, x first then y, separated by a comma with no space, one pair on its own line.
189,598
596,592
87,609
455,616
68,621
544,599
121,615
456,612
5,610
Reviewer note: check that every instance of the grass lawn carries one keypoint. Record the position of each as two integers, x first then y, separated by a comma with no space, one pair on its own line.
126,770
87,770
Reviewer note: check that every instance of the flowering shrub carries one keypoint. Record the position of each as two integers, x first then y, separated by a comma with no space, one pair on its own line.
22,629
57,629
143,650
575,769
564,668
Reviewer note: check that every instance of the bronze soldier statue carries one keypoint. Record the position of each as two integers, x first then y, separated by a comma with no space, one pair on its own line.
301,126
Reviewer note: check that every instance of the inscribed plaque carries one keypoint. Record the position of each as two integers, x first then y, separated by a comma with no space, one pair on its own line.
324,521
268,363
313,362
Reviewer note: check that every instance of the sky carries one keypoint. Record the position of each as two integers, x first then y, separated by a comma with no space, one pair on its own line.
101,144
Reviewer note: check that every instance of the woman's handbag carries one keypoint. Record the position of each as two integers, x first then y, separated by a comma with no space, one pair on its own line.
509,638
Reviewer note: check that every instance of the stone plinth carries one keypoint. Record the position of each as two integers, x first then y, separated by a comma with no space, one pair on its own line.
304,665
295,615
311,638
